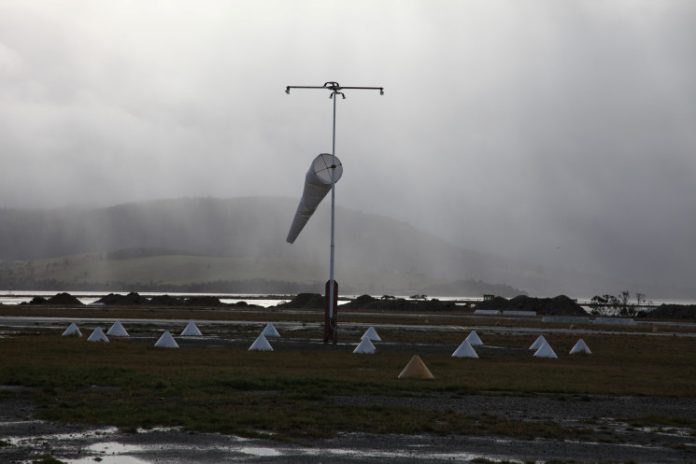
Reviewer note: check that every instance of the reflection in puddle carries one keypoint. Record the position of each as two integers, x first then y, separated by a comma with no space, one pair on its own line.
158,429
266,452
19,441
120,453
418,456
113,447
106,460
667,431
164,444
15,423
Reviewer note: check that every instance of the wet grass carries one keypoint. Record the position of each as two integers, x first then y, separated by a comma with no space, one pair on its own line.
450,318
290,392
662,421
46,459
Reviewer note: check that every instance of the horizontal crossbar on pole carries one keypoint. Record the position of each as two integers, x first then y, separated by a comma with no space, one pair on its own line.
334,87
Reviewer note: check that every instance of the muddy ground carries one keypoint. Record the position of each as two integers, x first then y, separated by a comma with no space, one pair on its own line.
606,428
605,434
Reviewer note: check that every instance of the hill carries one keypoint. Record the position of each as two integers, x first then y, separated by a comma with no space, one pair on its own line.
208,244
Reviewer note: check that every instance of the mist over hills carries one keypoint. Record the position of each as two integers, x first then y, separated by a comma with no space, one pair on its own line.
199,240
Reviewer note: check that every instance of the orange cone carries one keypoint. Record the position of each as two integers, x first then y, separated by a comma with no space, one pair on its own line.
416,369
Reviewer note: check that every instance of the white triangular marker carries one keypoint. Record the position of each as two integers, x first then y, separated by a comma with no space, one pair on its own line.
372,334
166,341
545,351
580,347
117,330
72,330
540,340
191,330
365,347
474,339
261,344
270,331
98,336
465,350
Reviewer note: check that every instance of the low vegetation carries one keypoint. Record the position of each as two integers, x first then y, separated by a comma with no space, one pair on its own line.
296,392
46,459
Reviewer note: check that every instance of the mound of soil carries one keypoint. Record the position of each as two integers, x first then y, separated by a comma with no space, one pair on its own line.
304,301
361,302
672,311
560,305
114,299
397,304
166,300
243,304
199,301
316,301
64,299
37,300
135,299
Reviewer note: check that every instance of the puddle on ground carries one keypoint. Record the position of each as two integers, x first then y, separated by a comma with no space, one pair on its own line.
360,454
57,437
261,452
113,447
679,432
158,429
105,460
623,445
120,453
20,422
109,446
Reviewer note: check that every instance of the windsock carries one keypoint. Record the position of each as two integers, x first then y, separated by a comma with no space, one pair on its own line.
323,172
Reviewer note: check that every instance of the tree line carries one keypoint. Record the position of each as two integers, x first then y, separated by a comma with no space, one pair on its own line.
623,304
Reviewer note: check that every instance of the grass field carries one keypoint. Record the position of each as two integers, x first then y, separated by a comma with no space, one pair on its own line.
434,318
296,392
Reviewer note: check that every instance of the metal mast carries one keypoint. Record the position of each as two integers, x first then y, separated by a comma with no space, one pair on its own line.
336,89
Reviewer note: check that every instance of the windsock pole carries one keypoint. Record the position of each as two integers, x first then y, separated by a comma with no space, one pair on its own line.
331,331
330,324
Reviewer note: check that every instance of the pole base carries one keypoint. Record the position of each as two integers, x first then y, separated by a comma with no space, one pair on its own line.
331,323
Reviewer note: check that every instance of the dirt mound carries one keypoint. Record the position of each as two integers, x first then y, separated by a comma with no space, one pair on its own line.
304,301
199,301
672,311
560,305
166,300
497,302
397,304
114,299
37,300
360,302
316,301
135,299
243,304
64,299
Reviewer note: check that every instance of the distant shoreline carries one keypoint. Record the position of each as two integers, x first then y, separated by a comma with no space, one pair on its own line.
6,294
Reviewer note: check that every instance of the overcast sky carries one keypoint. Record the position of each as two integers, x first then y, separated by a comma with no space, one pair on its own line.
563,132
